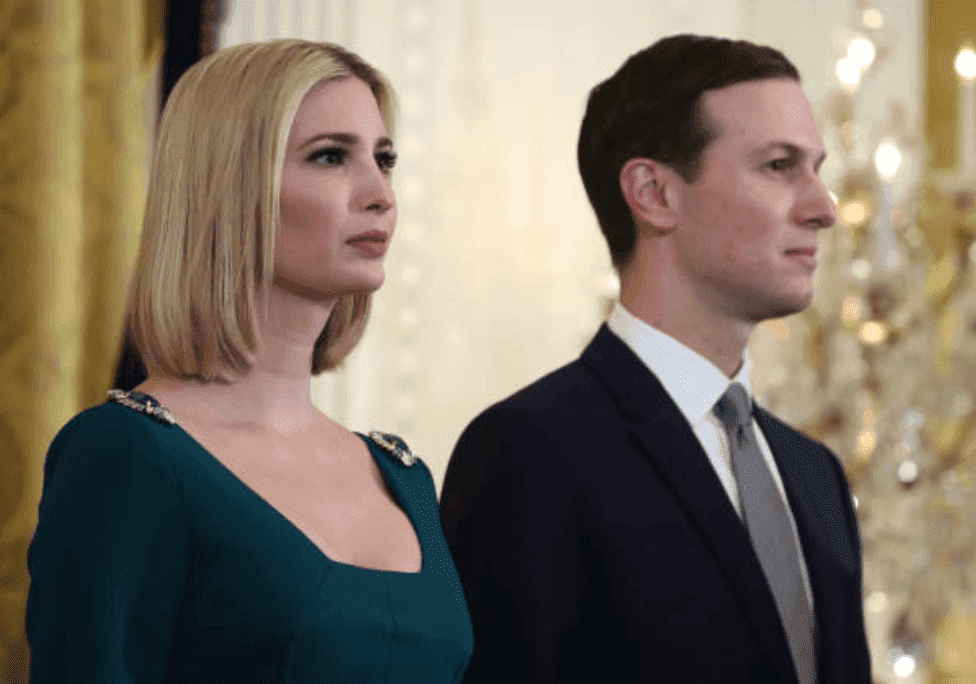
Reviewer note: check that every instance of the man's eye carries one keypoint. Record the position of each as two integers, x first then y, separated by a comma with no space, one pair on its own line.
330,156
386,160
779,164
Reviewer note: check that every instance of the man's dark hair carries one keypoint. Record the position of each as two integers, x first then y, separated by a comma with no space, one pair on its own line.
652,108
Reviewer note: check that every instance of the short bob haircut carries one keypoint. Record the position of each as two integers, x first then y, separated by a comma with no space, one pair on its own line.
651,108
206,260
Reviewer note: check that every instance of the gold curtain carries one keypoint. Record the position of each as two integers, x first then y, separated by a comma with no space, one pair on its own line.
950,25
77,107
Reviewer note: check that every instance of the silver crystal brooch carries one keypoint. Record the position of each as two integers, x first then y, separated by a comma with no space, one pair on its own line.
395,446
143,403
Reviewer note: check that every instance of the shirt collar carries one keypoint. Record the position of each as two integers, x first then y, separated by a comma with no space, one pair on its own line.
692,381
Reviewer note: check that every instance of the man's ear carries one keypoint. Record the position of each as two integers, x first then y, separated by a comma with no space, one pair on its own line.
647,189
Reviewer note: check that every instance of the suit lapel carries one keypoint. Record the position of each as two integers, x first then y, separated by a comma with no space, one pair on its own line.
797,474
663,436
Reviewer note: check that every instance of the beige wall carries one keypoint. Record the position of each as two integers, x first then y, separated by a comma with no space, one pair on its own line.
498,272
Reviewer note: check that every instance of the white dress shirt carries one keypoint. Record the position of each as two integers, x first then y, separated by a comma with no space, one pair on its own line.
696,384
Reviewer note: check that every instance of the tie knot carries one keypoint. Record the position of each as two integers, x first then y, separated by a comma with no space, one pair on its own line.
732,408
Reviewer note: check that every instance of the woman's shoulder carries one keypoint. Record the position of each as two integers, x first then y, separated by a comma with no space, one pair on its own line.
393,449
123,426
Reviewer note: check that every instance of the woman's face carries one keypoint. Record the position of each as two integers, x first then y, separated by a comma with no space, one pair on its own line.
337,209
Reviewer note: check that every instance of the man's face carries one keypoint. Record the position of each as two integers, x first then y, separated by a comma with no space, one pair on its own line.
748,226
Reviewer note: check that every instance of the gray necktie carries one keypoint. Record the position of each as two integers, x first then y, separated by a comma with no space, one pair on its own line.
766,519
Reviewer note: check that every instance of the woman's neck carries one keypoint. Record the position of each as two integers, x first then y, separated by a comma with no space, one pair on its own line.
274,393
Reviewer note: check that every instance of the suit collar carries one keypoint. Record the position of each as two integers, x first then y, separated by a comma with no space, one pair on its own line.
692,381
666,440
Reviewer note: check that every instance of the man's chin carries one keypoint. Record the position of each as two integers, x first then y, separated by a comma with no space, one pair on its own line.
780,307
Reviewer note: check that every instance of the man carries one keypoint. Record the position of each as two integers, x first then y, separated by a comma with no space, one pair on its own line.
633,517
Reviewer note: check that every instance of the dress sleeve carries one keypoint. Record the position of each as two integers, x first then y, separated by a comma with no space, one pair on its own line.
509,518
109,557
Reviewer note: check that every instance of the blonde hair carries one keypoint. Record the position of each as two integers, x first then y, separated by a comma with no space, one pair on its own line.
206,260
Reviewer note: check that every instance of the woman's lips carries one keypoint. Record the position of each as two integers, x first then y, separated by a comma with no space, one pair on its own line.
373,243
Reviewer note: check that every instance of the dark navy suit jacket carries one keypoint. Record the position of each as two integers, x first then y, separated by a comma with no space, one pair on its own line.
595,542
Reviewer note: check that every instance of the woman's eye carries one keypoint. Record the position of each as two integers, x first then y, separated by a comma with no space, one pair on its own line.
779,164
386,160
330,156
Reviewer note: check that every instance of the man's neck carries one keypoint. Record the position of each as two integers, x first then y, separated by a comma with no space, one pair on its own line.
719,339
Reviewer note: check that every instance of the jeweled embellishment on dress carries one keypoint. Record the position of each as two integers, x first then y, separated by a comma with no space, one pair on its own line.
142,403
395,446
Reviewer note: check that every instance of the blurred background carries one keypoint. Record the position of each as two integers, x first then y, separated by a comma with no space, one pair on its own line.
498,272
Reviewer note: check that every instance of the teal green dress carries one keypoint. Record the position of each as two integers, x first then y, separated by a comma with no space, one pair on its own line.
152,562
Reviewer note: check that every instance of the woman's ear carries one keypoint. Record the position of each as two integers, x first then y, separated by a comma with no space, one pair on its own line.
646,187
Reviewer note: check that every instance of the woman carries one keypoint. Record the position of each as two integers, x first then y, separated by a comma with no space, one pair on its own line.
213,526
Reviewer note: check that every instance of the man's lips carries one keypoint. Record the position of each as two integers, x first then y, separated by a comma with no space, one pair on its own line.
808,255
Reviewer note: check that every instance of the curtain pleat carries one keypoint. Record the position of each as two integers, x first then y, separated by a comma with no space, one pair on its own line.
76,110
949,25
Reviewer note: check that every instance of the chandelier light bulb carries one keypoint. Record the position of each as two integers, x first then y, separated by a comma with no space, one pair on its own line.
853,213
861,51
872,332
904,666
887,159
908,472
877,601
873,18
966,64
848,72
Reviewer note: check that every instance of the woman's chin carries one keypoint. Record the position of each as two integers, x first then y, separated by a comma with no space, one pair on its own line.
332,288
373,283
